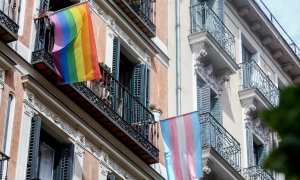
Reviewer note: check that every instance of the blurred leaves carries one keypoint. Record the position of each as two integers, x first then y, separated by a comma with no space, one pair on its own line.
285,120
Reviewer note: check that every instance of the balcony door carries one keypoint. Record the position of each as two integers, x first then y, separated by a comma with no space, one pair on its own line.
132,93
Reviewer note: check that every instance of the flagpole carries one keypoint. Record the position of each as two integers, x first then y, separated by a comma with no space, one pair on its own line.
44,15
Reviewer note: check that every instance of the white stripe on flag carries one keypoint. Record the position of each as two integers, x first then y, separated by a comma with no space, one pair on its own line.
182,146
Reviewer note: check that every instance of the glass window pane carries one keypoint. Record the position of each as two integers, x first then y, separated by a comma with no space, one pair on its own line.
46,162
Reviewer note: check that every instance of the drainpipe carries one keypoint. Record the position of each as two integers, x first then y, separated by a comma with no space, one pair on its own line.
178,59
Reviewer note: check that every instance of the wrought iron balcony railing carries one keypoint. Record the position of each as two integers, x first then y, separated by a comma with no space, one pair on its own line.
215,136
3,165
141,12
121,100
9,15
252,76
279,27
257,173
204,19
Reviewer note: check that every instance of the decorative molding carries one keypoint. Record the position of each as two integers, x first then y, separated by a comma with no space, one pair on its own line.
256,125
114,167
118,31
93,149
79,149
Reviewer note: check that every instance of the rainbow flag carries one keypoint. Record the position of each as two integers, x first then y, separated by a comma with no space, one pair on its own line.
74,53
182,147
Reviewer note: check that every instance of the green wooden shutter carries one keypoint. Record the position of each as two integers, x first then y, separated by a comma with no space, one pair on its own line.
250,149
115,71
33,150
141,91
66,162
138,76
216,110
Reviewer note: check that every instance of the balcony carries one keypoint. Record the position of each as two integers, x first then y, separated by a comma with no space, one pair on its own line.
257,173
3,165
212,42
221,149
257,86
106,100
141,13
8,27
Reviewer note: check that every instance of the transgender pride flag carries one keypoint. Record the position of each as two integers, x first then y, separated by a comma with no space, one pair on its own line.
182,147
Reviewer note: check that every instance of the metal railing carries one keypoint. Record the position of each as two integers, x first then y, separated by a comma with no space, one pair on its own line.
252,76
214,135
3,165
144,9
278,27
204,19
256,173
119,98
9,14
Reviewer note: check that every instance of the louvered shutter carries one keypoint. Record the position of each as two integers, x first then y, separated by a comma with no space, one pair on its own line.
203,97
115,71
250,150
141,91
263,151
33,150
205,105
216,110
65,170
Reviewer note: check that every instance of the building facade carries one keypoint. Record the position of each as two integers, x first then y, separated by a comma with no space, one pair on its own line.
235,60
100,129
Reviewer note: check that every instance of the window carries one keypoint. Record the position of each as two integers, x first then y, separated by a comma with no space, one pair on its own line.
246,54
256,150
208,101
134,79
47,157
8,124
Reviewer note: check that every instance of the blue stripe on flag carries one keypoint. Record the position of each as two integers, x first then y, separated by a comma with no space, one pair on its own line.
165,128
197,144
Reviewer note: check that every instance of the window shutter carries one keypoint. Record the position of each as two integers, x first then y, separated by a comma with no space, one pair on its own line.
216,110
66,162
203,97
115,71
33,150
250,150
147,87
263,151
141,91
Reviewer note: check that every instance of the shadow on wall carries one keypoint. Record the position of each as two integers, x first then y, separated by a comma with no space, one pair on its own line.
226,99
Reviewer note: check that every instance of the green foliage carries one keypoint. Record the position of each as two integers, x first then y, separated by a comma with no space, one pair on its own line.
285,120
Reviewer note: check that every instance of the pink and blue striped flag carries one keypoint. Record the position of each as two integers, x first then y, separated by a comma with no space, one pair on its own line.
182,147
